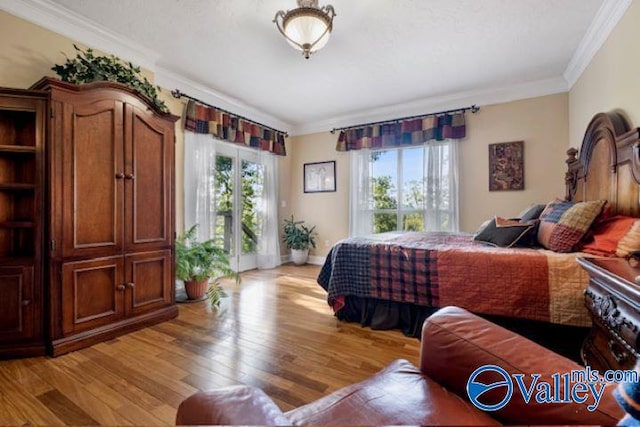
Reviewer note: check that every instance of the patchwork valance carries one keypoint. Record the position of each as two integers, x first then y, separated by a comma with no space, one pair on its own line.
402,133
231,128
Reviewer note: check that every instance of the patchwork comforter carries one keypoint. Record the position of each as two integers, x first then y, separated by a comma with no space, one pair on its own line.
440,269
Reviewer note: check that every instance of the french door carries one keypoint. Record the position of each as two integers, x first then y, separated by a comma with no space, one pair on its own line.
239,187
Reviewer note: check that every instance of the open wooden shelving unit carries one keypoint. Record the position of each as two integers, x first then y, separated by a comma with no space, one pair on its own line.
21,224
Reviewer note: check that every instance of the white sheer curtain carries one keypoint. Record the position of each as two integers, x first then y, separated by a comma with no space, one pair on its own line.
360,197
199,181
269,242
441,186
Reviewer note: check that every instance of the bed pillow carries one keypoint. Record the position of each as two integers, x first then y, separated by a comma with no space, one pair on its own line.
503,232
630,242
564,224
606,235
532,212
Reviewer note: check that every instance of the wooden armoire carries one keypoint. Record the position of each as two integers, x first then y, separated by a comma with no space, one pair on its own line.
108,216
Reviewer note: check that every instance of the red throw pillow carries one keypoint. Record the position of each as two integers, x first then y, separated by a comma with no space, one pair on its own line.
607,234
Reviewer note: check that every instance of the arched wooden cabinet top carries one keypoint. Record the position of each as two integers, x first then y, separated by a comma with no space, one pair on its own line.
48,83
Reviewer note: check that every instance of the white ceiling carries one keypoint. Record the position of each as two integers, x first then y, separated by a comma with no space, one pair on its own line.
383,57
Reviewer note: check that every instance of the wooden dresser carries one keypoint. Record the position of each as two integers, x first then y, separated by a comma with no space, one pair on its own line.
613,300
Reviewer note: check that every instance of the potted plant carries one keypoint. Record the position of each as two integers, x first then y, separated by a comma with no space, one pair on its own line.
87,67
201,265
299,239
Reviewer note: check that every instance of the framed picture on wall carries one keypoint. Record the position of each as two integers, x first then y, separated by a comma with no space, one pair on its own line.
506,166
320,177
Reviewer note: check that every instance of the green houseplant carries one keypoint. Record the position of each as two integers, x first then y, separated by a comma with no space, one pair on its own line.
299,238
87,67
201,265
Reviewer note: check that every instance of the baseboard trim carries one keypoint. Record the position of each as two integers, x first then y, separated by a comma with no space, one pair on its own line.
313,260
316,260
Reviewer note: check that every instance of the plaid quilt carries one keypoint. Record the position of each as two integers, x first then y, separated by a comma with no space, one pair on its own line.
440,269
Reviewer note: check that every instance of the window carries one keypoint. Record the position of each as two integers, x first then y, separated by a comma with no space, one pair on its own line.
404,189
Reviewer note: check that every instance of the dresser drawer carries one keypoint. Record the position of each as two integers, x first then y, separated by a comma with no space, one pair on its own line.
603,351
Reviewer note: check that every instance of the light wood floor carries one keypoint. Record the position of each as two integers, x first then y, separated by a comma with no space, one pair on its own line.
275,332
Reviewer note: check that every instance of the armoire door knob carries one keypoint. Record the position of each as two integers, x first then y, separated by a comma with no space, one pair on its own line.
119,175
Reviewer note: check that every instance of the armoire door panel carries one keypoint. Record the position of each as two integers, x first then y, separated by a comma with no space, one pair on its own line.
92,294
149,281
16,300
149,154
93,179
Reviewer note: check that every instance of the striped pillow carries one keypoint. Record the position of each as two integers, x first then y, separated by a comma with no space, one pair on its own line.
630,242
564,224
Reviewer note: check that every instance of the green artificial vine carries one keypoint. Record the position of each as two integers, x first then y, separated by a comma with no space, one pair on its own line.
87,67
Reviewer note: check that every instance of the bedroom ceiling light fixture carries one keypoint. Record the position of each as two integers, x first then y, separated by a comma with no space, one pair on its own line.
306,28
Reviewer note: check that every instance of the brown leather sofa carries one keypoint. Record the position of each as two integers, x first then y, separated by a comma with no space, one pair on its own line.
454,344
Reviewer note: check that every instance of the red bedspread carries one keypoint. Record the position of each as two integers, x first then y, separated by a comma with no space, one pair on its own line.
451,269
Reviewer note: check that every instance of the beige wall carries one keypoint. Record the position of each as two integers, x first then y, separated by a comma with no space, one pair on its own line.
612,79
329,212
27,52
541,122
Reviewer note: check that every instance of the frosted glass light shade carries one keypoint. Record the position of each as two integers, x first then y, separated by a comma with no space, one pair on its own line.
305,30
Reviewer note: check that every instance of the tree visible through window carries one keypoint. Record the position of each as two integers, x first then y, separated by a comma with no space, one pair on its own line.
410,189
252,181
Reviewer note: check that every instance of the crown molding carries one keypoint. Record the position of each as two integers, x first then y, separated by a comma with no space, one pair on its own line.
170,80
602,25
61,20
495,95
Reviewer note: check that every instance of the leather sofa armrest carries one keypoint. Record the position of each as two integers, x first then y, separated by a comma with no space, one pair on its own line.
455,343
237,405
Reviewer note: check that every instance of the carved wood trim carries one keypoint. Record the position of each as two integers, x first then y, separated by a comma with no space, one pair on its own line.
605,309
613,130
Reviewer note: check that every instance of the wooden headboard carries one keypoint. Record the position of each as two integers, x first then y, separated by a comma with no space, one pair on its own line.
608,166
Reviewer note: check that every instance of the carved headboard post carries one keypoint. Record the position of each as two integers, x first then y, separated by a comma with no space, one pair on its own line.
608,165
571,176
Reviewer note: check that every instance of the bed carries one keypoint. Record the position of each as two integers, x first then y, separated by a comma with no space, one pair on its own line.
395,280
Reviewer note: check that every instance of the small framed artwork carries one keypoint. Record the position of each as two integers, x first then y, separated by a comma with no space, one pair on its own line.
320,177
506,166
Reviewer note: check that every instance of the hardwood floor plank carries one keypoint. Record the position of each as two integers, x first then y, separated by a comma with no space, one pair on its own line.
66,383
12,416
275,332
65,409
137,378
27,405
19,371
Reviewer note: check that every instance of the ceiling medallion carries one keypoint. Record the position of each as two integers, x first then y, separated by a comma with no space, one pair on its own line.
306,28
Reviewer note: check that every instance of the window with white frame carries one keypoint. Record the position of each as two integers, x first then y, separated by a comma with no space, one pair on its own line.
405,189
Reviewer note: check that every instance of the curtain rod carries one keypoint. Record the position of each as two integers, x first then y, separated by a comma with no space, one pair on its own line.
177,94
474,109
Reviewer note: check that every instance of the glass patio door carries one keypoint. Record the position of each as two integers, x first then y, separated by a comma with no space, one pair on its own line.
239,186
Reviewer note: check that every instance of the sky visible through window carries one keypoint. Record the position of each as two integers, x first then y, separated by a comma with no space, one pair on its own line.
386,164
